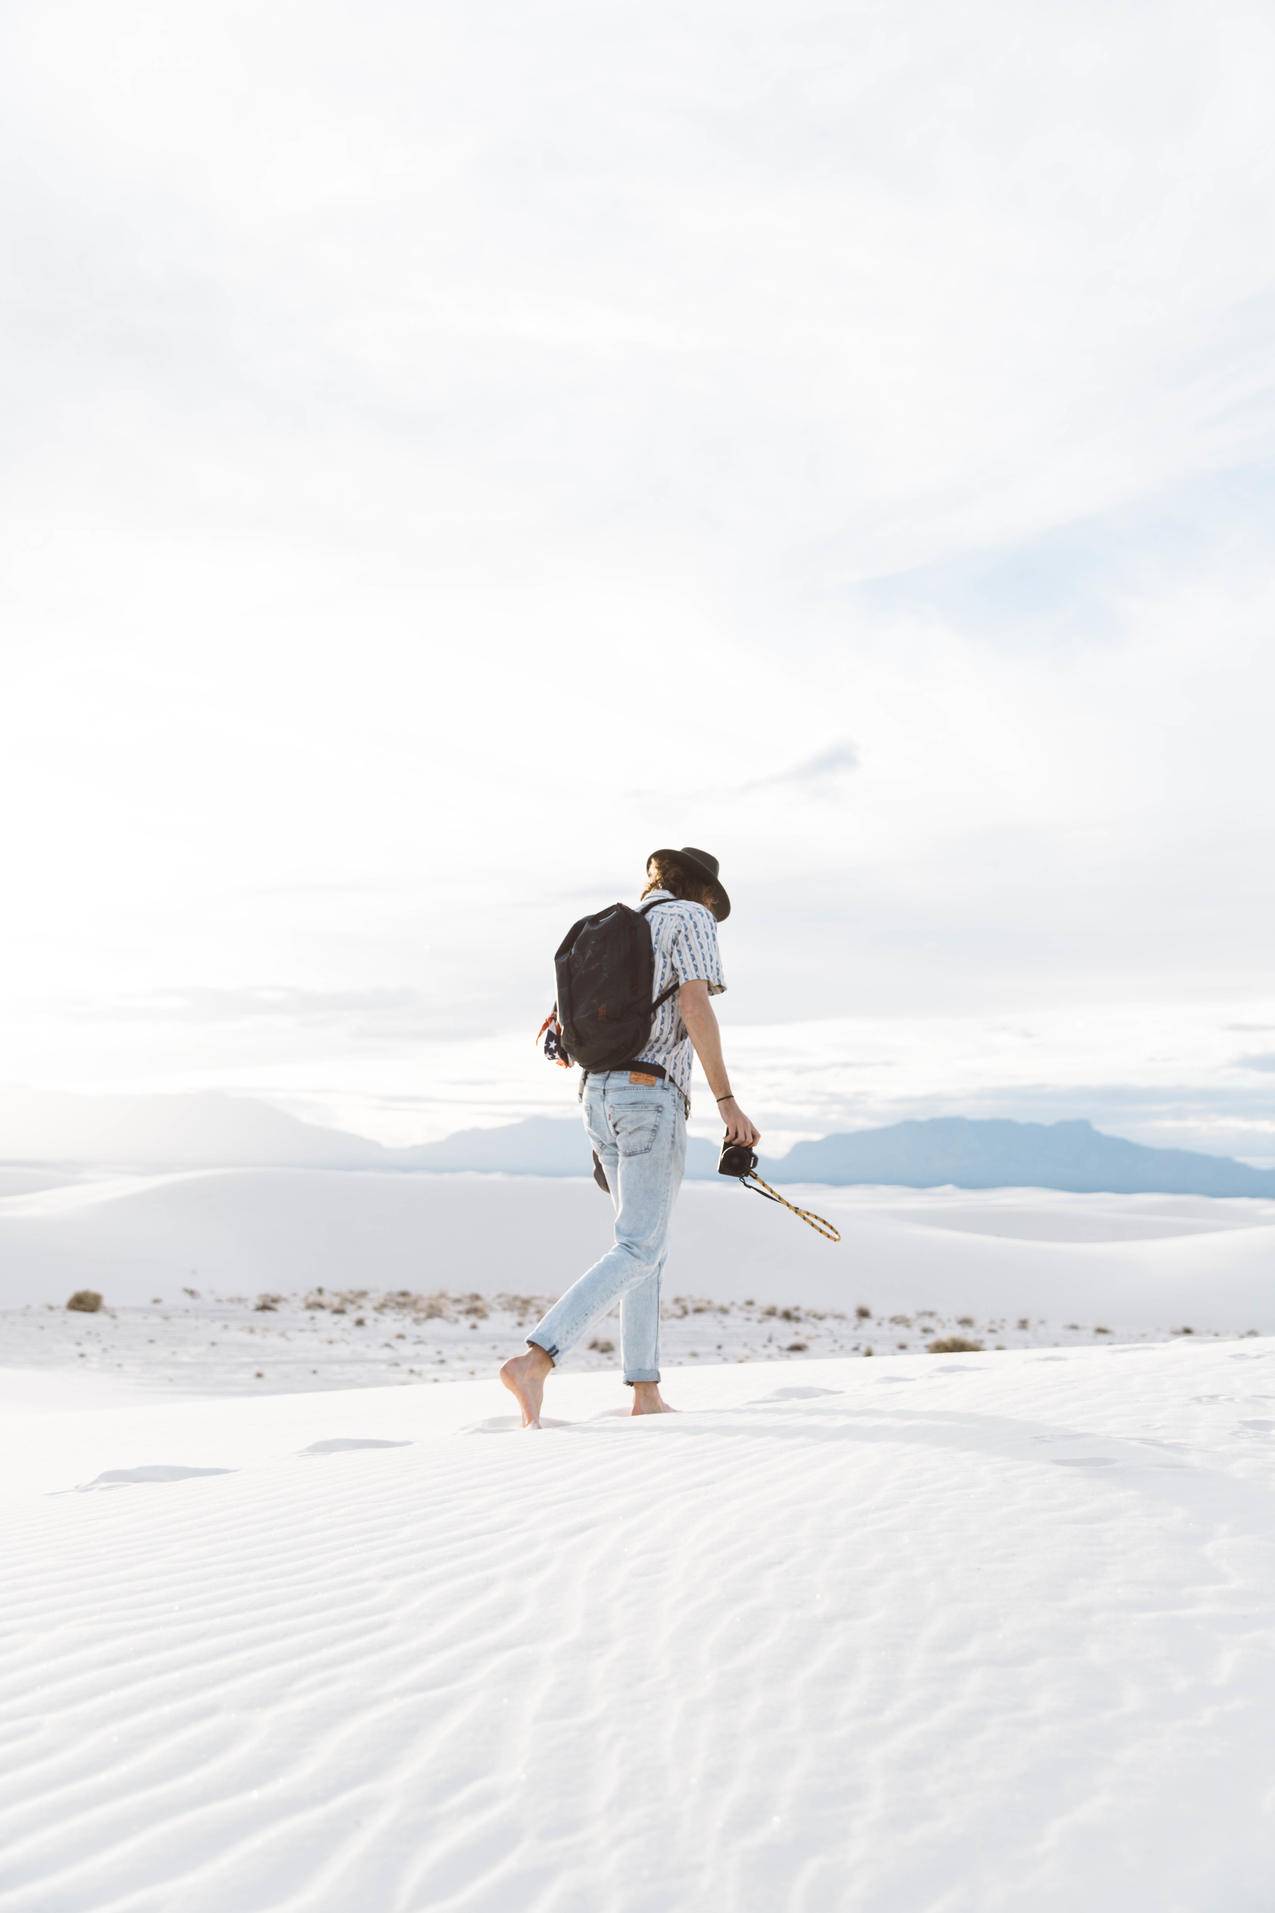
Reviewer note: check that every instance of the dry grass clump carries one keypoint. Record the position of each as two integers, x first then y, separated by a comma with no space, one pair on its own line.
953,1345
86,1301
683,1305
413,1306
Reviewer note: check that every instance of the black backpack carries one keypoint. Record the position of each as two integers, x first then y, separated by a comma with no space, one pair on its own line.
605,967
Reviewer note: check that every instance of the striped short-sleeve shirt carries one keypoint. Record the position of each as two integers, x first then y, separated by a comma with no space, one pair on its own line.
684,943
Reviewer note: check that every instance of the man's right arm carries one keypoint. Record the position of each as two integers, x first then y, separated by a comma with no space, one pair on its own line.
705,1033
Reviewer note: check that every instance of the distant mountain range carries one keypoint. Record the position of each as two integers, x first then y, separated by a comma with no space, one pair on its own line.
210,1130
999,1154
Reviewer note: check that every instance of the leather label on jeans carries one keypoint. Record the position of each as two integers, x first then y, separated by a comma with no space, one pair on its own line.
636,1076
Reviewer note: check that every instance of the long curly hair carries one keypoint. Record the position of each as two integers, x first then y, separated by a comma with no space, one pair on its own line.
667,873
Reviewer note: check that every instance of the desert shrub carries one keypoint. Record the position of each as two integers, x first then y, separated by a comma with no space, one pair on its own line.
796,1348
602,1345
267,1304
87,1301
862,1312
1024,1322
965,1321
1099,1328
1186,1331
900,1321
953,1345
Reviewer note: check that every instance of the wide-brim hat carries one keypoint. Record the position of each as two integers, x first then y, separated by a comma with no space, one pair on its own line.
706,865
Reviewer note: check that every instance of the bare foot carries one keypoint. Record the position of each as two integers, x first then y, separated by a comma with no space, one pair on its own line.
524,1377
647,1400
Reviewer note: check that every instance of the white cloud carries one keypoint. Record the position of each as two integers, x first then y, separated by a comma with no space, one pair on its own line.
444,462
817,776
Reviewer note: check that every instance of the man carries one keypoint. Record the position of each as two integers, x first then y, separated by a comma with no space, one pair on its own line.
637,1126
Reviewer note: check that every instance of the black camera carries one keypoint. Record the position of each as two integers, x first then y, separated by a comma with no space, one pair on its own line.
736,1159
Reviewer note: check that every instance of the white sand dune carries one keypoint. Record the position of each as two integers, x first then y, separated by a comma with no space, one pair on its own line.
905,1636
1129,1261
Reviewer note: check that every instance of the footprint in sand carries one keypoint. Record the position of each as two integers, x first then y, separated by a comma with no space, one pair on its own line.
341,1444
794,1395
511,1424
141,1477
1083,1461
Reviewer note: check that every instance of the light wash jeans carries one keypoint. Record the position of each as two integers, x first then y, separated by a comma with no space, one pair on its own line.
639,1132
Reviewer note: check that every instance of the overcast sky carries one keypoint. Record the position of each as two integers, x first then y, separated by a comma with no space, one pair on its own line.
450,451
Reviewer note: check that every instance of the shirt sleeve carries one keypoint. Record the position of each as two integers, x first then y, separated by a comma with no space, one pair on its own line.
695,953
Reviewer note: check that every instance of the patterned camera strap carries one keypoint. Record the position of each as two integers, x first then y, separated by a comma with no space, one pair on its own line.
817,1223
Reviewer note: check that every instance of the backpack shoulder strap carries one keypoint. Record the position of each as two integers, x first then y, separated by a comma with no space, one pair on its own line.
674,985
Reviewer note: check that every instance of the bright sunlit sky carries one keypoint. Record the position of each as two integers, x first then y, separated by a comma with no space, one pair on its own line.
453,450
